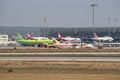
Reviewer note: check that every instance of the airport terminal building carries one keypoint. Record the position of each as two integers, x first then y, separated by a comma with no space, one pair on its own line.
3,40
83,33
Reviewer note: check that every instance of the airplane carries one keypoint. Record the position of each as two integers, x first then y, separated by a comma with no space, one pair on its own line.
68,38
105,38
71,45
24,42
36,38
57,44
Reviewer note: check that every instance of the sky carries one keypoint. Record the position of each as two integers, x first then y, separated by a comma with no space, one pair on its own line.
59,13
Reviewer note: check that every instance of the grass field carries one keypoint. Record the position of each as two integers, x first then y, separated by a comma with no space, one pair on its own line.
59,77
58,70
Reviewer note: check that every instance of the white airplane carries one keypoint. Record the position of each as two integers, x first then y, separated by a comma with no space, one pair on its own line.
35,38
68,38
57,44
105,38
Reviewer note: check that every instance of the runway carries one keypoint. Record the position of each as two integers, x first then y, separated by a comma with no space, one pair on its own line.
58,57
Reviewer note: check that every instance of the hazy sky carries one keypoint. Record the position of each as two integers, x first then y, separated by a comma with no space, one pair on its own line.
58,13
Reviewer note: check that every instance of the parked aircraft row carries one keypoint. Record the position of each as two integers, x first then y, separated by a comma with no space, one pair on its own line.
104,38
59,42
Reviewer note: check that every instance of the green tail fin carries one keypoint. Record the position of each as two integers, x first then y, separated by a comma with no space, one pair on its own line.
19,37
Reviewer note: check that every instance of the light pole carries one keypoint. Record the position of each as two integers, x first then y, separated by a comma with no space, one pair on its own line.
109,24
44,27
115,22
93,5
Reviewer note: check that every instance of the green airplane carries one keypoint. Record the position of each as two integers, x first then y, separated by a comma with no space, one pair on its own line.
24,42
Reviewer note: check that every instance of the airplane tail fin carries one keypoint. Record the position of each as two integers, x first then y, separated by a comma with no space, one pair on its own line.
19,37
95,35
59,35
29,36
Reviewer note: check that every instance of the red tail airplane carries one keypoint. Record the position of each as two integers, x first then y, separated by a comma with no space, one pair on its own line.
67,38
36,38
